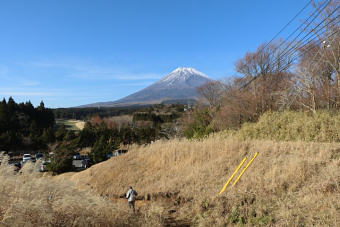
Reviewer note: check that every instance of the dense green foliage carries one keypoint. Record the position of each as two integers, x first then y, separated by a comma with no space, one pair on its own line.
155,118
62,160
23,126
23,121
127,135
100,138
101,148
86,113
199,125
170,112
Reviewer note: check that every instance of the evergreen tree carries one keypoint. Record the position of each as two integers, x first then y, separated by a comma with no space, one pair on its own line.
62,160
69,135
61,132
48,136
100,150
34,130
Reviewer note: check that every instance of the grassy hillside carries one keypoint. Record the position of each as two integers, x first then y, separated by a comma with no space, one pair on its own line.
290,183
30,199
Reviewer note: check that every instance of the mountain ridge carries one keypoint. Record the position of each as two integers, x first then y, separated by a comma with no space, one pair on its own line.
180,84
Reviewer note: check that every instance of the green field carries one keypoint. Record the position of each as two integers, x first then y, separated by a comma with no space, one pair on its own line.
74,125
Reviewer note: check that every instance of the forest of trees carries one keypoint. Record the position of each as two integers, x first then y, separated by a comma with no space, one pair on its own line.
101,139
104,133
25,126
86,113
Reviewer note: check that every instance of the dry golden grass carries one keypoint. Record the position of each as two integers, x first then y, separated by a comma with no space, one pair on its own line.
289,183
323,126
31,199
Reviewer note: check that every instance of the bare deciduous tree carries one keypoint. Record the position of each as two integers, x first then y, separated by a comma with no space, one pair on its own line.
329,35
213,92
267,69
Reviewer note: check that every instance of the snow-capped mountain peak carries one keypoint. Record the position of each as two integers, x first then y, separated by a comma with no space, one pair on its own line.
188,70
181,75
181,84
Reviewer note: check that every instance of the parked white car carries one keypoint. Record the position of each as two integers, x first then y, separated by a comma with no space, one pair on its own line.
26,157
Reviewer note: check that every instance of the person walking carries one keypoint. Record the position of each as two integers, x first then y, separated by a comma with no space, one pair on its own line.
130,195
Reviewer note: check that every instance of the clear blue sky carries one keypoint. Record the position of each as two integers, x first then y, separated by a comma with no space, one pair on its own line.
74,52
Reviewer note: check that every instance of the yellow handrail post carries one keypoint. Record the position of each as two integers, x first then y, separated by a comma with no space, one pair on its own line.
232,176
245,168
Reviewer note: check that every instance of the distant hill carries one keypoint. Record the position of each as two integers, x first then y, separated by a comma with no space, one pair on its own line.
180,85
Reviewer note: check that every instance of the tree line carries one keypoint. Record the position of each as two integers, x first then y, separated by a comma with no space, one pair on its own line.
86,113
101,140
23,125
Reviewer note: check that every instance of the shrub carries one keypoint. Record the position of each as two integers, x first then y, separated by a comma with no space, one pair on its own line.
100,149
294,126
62,160
200,126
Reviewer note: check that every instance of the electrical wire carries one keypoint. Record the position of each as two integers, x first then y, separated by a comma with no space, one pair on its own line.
296,47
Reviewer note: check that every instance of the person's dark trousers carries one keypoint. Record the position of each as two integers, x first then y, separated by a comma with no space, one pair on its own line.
132,205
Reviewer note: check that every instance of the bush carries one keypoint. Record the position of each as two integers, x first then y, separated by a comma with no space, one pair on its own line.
200,125
323,126
100,149
62,160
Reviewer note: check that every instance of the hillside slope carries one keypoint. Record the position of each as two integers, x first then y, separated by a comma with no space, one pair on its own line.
178,86
289,183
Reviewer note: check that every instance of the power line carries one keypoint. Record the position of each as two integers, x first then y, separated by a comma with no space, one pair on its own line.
296,46
315,11
285,67
296,57
281,32
289,23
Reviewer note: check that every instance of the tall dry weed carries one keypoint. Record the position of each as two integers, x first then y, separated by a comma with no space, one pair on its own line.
323,126
29,199
289,183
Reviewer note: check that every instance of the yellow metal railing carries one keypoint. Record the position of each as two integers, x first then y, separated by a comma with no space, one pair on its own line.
232,176
239,177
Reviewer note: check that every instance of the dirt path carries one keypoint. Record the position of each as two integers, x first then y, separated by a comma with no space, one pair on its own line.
171,202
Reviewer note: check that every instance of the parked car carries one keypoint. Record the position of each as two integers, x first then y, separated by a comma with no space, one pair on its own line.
87,163
26,157
82,162
39,156
77,156
109,155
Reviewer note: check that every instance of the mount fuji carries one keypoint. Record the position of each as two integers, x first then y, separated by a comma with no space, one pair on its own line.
178,86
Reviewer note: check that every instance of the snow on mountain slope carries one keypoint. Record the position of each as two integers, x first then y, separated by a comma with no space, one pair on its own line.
180,84
182,75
